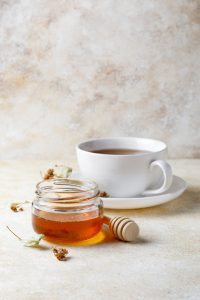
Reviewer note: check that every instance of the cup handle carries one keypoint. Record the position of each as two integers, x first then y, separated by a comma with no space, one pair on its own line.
167,174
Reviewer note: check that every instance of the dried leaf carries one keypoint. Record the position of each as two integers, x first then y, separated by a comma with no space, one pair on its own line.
60,253
33,242
62,171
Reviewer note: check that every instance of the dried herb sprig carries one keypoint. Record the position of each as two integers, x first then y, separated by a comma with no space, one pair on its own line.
28,243
60,253
59,171
18,206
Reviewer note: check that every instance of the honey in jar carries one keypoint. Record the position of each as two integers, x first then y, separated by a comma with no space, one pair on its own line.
69,210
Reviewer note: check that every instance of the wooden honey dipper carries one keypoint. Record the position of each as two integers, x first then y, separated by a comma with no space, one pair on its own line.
122,228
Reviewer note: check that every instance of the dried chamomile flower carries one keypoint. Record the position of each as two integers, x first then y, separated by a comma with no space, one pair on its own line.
60,253
48,174
18,206
28,243
15,207
103,194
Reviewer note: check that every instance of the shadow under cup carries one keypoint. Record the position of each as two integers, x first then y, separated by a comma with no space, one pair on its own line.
123,175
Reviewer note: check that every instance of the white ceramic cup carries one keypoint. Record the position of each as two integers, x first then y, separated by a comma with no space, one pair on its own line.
126,175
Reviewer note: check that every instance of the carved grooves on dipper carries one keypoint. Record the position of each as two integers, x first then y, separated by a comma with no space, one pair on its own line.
124,228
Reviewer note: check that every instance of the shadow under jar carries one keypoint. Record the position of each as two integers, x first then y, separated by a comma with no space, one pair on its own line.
67,210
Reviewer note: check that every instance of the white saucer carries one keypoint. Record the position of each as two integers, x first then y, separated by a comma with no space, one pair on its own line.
177,188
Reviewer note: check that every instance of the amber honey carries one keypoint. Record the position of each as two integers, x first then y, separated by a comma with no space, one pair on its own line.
67,210
67,227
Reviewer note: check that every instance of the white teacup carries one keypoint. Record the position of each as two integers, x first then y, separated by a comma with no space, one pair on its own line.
126,175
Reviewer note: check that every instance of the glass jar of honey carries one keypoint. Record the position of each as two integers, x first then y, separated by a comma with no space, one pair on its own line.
69,210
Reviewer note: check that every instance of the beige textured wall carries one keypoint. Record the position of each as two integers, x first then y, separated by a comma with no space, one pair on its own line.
72,70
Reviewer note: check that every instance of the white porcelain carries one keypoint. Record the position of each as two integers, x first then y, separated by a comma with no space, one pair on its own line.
126,175
177,188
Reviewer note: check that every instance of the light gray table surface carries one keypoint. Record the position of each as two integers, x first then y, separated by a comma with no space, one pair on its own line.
163,264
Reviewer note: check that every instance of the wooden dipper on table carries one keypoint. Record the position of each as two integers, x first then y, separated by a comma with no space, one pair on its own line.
122,228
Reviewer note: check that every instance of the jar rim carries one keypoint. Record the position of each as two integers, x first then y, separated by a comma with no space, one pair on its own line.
66,190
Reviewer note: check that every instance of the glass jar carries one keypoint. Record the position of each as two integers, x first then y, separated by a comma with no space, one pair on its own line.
67,209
